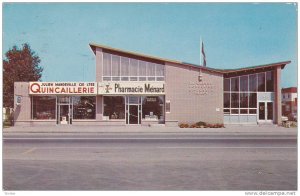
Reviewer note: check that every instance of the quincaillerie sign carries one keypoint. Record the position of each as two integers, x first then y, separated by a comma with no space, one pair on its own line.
131,88
62,88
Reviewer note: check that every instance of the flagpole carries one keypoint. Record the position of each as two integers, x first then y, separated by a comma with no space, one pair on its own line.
200,75
200,50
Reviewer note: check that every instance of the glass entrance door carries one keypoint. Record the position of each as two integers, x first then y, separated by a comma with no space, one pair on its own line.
265,111
133,110
262,111
64,110
64,116
270,111
133,114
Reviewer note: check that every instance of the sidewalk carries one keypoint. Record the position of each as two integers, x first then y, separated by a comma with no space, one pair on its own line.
233,129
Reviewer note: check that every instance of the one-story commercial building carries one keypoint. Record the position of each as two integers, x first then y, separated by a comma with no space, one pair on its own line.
137,89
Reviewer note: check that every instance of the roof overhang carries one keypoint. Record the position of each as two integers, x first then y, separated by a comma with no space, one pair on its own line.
254,69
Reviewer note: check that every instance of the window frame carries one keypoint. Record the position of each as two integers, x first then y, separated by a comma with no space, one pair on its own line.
132,77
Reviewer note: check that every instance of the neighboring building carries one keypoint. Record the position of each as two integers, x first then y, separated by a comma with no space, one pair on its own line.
289,101
132,88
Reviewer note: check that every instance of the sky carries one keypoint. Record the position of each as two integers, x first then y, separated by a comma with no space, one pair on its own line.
235,35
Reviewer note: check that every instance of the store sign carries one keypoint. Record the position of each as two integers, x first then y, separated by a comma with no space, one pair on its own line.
131,88
62,88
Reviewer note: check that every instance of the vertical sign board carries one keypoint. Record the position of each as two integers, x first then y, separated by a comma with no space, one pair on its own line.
62,88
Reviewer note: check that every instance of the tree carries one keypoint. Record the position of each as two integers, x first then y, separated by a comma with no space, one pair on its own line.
19,65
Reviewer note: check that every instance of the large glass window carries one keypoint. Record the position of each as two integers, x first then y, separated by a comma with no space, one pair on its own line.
114,107
84,107
235,84
159,72
252,100
142,70
226,100
133,69
106,66
270,81
234,100
151,71
261,81
153,107
227,84
240,92
116,68
244,100
253,82
43,107
244,83
124,68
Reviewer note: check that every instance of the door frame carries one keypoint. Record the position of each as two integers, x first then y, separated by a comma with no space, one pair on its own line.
70,110
265,120
127,105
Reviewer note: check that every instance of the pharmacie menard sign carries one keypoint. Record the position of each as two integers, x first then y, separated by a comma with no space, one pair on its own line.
64,88
129,88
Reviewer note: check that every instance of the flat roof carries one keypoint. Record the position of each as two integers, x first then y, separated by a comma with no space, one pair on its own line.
289,90
163,60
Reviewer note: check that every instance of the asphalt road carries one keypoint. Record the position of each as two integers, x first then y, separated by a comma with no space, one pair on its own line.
149,162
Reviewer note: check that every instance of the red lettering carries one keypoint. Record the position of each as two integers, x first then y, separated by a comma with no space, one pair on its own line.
35,88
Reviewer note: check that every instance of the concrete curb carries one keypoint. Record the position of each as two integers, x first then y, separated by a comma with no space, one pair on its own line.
243,130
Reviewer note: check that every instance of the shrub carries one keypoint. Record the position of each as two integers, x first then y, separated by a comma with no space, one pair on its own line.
220,125
193,126
200,123
183,125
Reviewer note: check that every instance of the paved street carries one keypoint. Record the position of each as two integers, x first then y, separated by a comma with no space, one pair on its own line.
149,161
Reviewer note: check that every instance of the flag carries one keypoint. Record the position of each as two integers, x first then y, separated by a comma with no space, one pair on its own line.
203,55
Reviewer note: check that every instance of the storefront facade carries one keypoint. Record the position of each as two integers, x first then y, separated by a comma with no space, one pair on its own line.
135,89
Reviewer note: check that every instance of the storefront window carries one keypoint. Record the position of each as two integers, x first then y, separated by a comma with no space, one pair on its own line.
261,82
235,84
244,83
234,100
253,82
234,111
153,107
226,100
243,100
227,84
252,100
114,107
43,107
252,111
243,111
270,81
84,107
